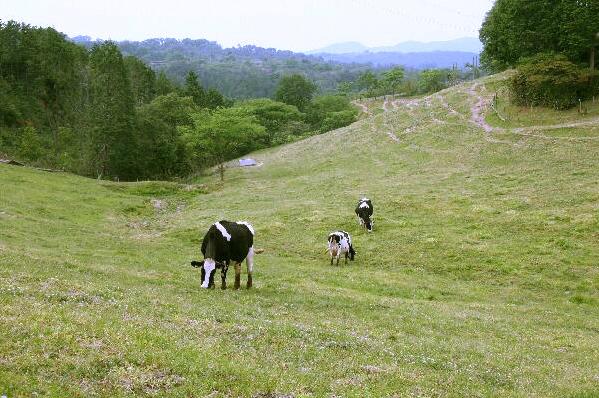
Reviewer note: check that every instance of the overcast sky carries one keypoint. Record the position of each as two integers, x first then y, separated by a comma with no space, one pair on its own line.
297,25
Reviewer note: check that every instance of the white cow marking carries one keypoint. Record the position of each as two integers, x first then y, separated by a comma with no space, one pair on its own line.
209,266
223,231
363,205
247,224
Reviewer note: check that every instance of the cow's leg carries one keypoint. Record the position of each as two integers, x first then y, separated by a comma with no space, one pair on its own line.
346,255
223,276
237,275
249,261
331,254
211,280
338,259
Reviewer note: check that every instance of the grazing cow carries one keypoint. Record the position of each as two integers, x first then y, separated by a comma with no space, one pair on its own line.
340,243
226,241
364,212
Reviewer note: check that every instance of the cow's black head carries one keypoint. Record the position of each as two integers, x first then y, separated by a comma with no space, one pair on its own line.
207,268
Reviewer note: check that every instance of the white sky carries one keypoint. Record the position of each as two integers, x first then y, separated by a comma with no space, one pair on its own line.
297,25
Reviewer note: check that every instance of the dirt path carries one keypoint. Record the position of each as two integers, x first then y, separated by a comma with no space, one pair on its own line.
387,105
445,105
478,118
362,107
477,109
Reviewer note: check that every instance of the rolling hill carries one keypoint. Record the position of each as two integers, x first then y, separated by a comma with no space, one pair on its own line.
480,277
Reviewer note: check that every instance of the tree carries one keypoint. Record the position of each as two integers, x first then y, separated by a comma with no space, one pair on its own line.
368,81
516,29
194,89
112,114
221,135
392,79
164,85
214,99
432,80
279,119
295,90
142,80
579,30
163,154
30,147
329,112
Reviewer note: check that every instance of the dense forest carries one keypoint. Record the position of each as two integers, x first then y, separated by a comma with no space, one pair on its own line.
96,112
238,72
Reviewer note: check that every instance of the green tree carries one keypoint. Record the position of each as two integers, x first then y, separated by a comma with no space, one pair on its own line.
579,30
221,135
164,154
112,114
214,99
295,90
142,78
392,80
194,89
31,147
329,112
516,29
368,81
164,85
279,119
432,80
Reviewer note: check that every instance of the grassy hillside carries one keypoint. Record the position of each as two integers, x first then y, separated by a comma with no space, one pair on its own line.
480,279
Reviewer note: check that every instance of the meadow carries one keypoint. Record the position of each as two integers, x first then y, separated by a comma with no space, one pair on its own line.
481,277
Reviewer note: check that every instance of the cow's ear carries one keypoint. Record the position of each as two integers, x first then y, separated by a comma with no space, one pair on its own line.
197,264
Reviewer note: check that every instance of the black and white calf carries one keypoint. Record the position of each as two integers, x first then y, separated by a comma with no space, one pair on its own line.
340,243
224,242
364,212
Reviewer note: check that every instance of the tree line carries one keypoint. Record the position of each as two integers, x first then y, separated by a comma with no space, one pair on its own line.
95,112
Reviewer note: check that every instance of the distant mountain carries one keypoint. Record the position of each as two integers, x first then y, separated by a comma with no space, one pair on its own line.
464,44
341,48
415,60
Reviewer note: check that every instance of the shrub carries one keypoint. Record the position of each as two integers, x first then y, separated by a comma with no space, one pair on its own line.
550,80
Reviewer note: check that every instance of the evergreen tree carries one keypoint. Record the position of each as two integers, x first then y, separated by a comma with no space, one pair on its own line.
194,89
112,139
164,85
142,78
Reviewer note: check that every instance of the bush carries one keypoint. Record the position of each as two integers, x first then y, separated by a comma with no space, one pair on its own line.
30,147
550,80
329,112
335,120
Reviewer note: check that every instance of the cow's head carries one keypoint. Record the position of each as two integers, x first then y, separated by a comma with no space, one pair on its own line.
369,223
334,246
207,267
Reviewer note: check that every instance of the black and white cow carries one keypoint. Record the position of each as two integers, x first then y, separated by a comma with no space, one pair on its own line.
340,243
364,211
224,242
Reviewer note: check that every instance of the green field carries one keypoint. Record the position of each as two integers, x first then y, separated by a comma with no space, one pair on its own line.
481,277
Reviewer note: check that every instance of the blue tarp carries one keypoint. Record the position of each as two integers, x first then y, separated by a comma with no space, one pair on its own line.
247,162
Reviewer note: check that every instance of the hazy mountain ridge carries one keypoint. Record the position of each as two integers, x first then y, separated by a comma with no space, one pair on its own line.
463,44
414,60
